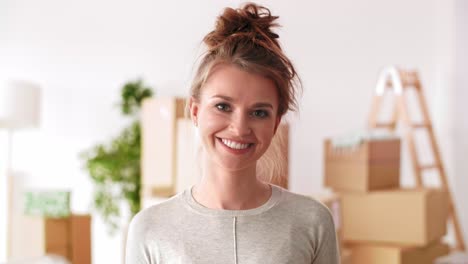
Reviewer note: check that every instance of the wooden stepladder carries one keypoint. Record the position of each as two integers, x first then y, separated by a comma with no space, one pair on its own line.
400,82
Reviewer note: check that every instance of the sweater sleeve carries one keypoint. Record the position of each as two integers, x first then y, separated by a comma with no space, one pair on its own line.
328,251
136,250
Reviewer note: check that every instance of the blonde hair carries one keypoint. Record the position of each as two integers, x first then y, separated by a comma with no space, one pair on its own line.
243,37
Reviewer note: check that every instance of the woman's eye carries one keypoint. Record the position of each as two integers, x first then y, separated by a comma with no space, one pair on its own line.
223,107
260,113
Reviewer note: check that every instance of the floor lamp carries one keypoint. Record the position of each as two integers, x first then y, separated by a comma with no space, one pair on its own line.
19,109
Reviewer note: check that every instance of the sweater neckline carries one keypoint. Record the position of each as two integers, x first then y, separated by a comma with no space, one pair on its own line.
276,193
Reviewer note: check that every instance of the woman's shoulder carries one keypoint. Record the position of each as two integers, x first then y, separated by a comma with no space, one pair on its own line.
159,213
305,207
298,200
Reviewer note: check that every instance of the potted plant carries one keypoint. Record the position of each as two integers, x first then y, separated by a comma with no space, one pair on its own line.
114,166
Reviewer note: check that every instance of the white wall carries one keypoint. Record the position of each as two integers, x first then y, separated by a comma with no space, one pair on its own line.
81,53
460,131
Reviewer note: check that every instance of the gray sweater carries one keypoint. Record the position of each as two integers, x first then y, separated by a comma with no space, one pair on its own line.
288,228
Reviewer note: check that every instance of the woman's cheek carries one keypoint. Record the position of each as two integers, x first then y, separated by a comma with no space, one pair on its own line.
209,126
214,120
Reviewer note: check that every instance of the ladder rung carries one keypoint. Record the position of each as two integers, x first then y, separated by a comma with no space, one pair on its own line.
398,81
390,125
408,79
385,125
421,125
428,167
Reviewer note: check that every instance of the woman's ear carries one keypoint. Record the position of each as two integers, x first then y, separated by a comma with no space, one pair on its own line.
193,106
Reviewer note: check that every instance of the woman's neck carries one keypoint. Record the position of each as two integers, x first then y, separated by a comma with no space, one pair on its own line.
231,190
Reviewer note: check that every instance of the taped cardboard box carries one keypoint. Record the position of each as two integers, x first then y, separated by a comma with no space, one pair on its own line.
56,233
69,237
369,165
80,239
383,254
406,217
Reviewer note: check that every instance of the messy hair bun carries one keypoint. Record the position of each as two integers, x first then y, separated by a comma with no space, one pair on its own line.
244,37
251,23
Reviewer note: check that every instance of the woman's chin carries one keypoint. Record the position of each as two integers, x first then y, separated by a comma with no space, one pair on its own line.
235,166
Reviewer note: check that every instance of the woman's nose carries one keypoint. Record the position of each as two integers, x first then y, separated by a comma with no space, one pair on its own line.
240,125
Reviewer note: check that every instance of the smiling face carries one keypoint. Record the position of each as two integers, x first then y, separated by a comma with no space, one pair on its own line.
237,116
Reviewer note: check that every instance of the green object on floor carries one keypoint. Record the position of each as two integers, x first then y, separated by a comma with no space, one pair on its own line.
54,204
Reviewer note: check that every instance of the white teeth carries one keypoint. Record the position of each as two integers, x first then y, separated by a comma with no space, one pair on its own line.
234,145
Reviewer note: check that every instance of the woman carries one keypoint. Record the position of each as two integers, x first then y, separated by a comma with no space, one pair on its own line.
243,87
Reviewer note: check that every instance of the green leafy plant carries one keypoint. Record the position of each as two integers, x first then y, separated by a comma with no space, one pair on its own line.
114,167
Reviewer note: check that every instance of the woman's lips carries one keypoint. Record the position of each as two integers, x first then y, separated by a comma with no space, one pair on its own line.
235,146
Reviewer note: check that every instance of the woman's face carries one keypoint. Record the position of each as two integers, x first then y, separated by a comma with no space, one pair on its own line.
236,115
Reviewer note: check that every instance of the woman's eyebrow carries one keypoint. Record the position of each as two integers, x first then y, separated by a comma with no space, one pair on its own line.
230,99
263,105
227,98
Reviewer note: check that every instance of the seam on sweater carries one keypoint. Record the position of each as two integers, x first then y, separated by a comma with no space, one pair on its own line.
234,229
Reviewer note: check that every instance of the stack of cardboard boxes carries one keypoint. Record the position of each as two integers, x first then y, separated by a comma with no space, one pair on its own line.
381,222
42,223
69,237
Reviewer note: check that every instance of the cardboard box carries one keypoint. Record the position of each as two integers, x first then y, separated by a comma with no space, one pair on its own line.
159,131
345,256
411,217
27,238
69,237
56,233
381,254
371,165
80,239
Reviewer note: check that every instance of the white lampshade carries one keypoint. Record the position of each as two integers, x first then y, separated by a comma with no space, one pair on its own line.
19,105
19,108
